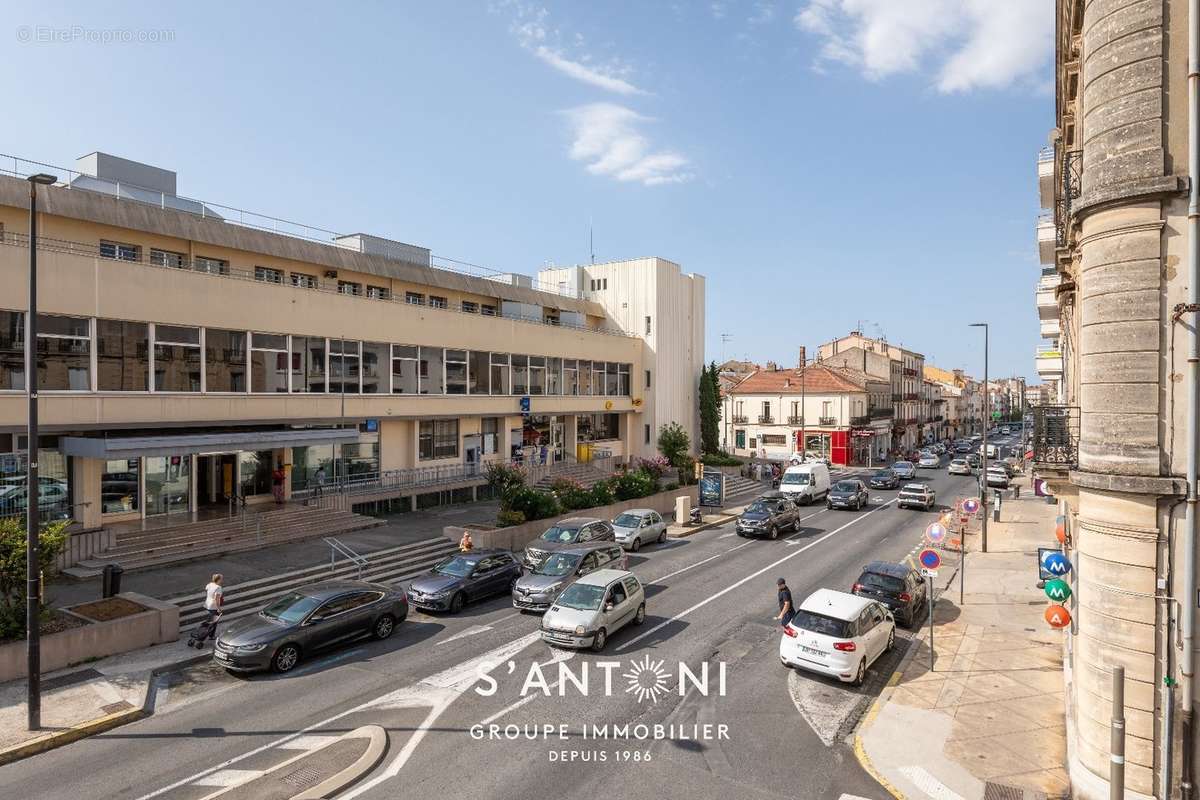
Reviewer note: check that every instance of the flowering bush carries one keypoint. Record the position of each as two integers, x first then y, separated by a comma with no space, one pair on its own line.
655,467
571,495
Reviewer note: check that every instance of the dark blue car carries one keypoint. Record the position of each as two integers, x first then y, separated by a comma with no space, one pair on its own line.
464,578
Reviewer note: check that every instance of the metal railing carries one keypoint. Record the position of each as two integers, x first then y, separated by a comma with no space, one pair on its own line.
795,420
338,547
881,413
765,419
49,244
1055,439
860,420
370,482
739,419
827,420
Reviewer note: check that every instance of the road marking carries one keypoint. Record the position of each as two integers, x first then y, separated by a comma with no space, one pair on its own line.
698,563
471,631
749,578
228,777
308,742
929,784
852,797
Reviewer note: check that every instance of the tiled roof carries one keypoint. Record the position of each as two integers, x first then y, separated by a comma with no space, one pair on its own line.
816,380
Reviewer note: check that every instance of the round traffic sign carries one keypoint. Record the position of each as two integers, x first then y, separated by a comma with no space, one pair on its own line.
1056,564
1057,617
1058,590
935,533
929,559
970,505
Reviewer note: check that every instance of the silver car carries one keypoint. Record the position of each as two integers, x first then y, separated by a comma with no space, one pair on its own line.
594,608
536,589
639,526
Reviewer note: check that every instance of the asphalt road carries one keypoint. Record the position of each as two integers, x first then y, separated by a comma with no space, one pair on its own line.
763,732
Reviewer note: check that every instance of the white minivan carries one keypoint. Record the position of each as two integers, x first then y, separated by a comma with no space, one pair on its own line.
837,634
806,483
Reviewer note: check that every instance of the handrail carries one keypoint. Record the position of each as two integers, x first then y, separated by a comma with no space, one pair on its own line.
337,546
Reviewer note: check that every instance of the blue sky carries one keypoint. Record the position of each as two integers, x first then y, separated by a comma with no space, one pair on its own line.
821,162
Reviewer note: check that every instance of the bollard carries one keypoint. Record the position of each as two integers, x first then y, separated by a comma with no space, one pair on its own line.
1116,765
1016,492
682,510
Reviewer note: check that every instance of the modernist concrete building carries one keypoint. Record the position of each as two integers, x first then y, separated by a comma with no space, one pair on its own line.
1113,443
186,350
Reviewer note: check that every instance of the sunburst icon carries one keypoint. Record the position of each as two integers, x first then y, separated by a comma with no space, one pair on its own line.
647,680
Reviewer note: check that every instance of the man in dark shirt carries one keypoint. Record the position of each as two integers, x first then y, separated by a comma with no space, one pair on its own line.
786,609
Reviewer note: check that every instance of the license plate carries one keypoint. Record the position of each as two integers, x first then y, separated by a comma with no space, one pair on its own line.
811,651
220,656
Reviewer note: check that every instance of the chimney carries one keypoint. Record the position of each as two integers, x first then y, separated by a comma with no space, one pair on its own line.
787,383
803,356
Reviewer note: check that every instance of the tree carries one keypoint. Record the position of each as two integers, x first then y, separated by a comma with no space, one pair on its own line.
674,444
710,410
51,541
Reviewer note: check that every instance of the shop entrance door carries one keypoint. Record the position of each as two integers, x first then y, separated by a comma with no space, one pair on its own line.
558,438
216,474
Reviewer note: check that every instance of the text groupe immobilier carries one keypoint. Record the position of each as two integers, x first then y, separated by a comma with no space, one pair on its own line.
705,731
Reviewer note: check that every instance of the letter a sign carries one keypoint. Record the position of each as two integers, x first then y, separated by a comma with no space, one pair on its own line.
1058,617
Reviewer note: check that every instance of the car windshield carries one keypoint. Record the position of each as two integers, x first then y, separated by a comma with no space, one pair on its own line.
457,566
627,521
819,623
558,565
915,487
884,474
758,507
582,597
958,462
795,479
560,534
884,583
292,607
902,466
845,486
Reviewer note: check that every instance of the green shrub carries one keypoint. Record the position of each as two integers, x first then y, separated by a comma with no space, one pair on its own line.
570,494
670,487
51,541
506,519
632,485
505,481
721,459
534,504
601,493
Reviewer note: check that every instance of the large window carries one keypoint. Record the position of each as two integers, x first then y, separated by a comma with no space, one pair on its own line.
537,374
598,427
570,376
268,275
343,366
489,430
405,369
612,383
375,359
520,374
438,439
308,364
176,359
623,383
168,484
64,359
268,363
122,356
224,360
432,377
456,372
167,258
585,377
120,251
480,372
216,266
119,486
12,350
553,376
254,472
500,371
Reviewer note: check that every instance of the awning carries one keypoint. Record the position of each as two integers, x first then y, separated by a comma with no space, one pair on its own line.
188,443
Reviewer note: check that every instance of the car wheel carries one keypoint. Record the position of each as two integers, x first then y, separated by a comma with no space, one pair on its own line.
662,536
456,602
861,675
891,640
599,640
773,533
285,658
640,617
384,627
637,544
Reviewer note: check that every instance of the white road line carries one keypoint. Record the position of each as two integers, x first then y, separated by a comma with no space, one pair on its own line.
749,578
228,777
529,698
698,563
929,784
308,742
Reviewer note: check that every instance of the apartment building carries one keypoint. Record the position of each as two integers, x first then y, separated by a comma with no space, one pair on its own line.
186,350
904,371
955,388
1113,442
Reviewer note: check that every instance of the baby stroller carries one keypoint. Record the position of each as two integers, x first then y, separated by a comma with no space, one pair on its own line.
205,630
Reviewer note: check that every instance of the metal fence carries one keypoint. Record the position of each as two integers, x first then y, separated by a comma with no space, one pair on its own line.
1056,436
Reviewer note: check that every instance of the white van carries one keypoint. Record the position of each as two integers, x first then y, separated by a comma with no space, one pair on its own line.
806,483
992,452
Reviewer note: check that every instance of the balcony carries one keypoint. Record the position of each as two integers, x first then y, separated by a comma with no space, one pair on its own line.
739,419
912,397
828,420
896,398
1046,173
1049,364
1047,302
880,413
1049,328
795,420
860,422
1055,441
909,371
766,419
1047,237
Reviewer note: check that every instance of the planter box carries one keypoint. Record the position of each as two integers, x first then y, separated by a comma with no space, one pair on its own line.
516,537
157,624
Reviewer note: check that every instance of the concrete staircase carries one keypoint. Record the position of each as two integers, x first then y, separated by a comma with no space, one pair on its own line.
737,486
584,474
388,566
153,547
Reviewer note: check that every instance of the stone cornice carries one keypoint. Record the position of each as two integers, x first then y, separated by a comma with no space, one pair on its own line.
1127,191
1162,486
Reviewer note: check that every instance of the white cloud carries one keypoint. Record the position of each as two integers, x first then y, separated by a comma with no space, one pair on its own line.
609,139
967,44
600,78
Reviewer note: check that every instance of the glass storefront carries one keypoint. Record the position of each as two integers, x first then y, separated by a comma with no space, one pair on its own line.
168,484
54,486
254,472
120,487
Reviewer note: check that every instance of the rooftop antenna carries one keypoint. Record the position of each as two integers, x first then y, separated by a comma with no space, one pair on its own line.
591,242
725,337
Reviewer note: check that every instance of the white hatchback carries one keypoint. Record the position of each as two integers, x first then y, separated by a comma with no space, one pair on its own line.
837,634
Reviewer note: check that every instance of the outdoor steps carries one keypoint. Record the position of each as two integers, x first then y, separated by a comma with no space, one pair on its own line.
388,566
583,474
223,530
186,546
736,486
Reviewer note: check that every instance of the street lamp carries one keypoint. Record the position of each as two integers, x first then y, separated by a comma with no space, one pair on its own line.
33,581
987,415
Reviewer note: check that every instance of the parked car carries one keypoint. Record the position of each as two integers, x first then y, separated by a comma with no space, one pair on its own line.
974,460
306,620
884,479
904,470
996,478
837,634
897,586
593,608
767,516
962,448
929,461
959,466
536,589
464,578
916,495
565,533
805,483
638,526
849,493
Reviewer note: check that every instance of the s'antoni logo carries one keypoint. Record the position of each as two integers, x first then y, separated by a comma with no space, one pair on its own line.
645,679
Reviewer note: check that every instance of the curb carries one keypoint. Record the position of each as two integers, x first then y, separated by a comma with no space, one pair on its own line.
91,727
686,532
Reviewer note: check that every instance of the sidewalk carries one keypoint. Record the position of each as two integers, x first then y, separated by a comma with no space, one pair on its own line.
991,710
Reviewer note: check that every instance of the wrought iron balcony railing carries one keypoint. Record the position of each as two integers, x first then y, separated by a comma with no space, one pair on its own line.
1056,436
828,420
795,420
740,419
765,419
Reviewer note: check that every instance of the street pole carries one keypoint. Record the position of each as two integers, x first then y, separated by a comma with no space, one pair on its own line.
1116,765
33,653
929,602
987,418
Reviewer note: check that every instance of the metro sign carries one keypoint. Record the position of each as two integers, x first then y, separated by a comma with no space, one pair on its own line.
1058,590
1057,617
1056,564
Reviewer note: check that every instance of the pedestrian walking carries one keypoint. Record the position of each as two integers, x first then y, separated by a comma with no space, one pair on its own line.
319,479
277,478
214,599
786,609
